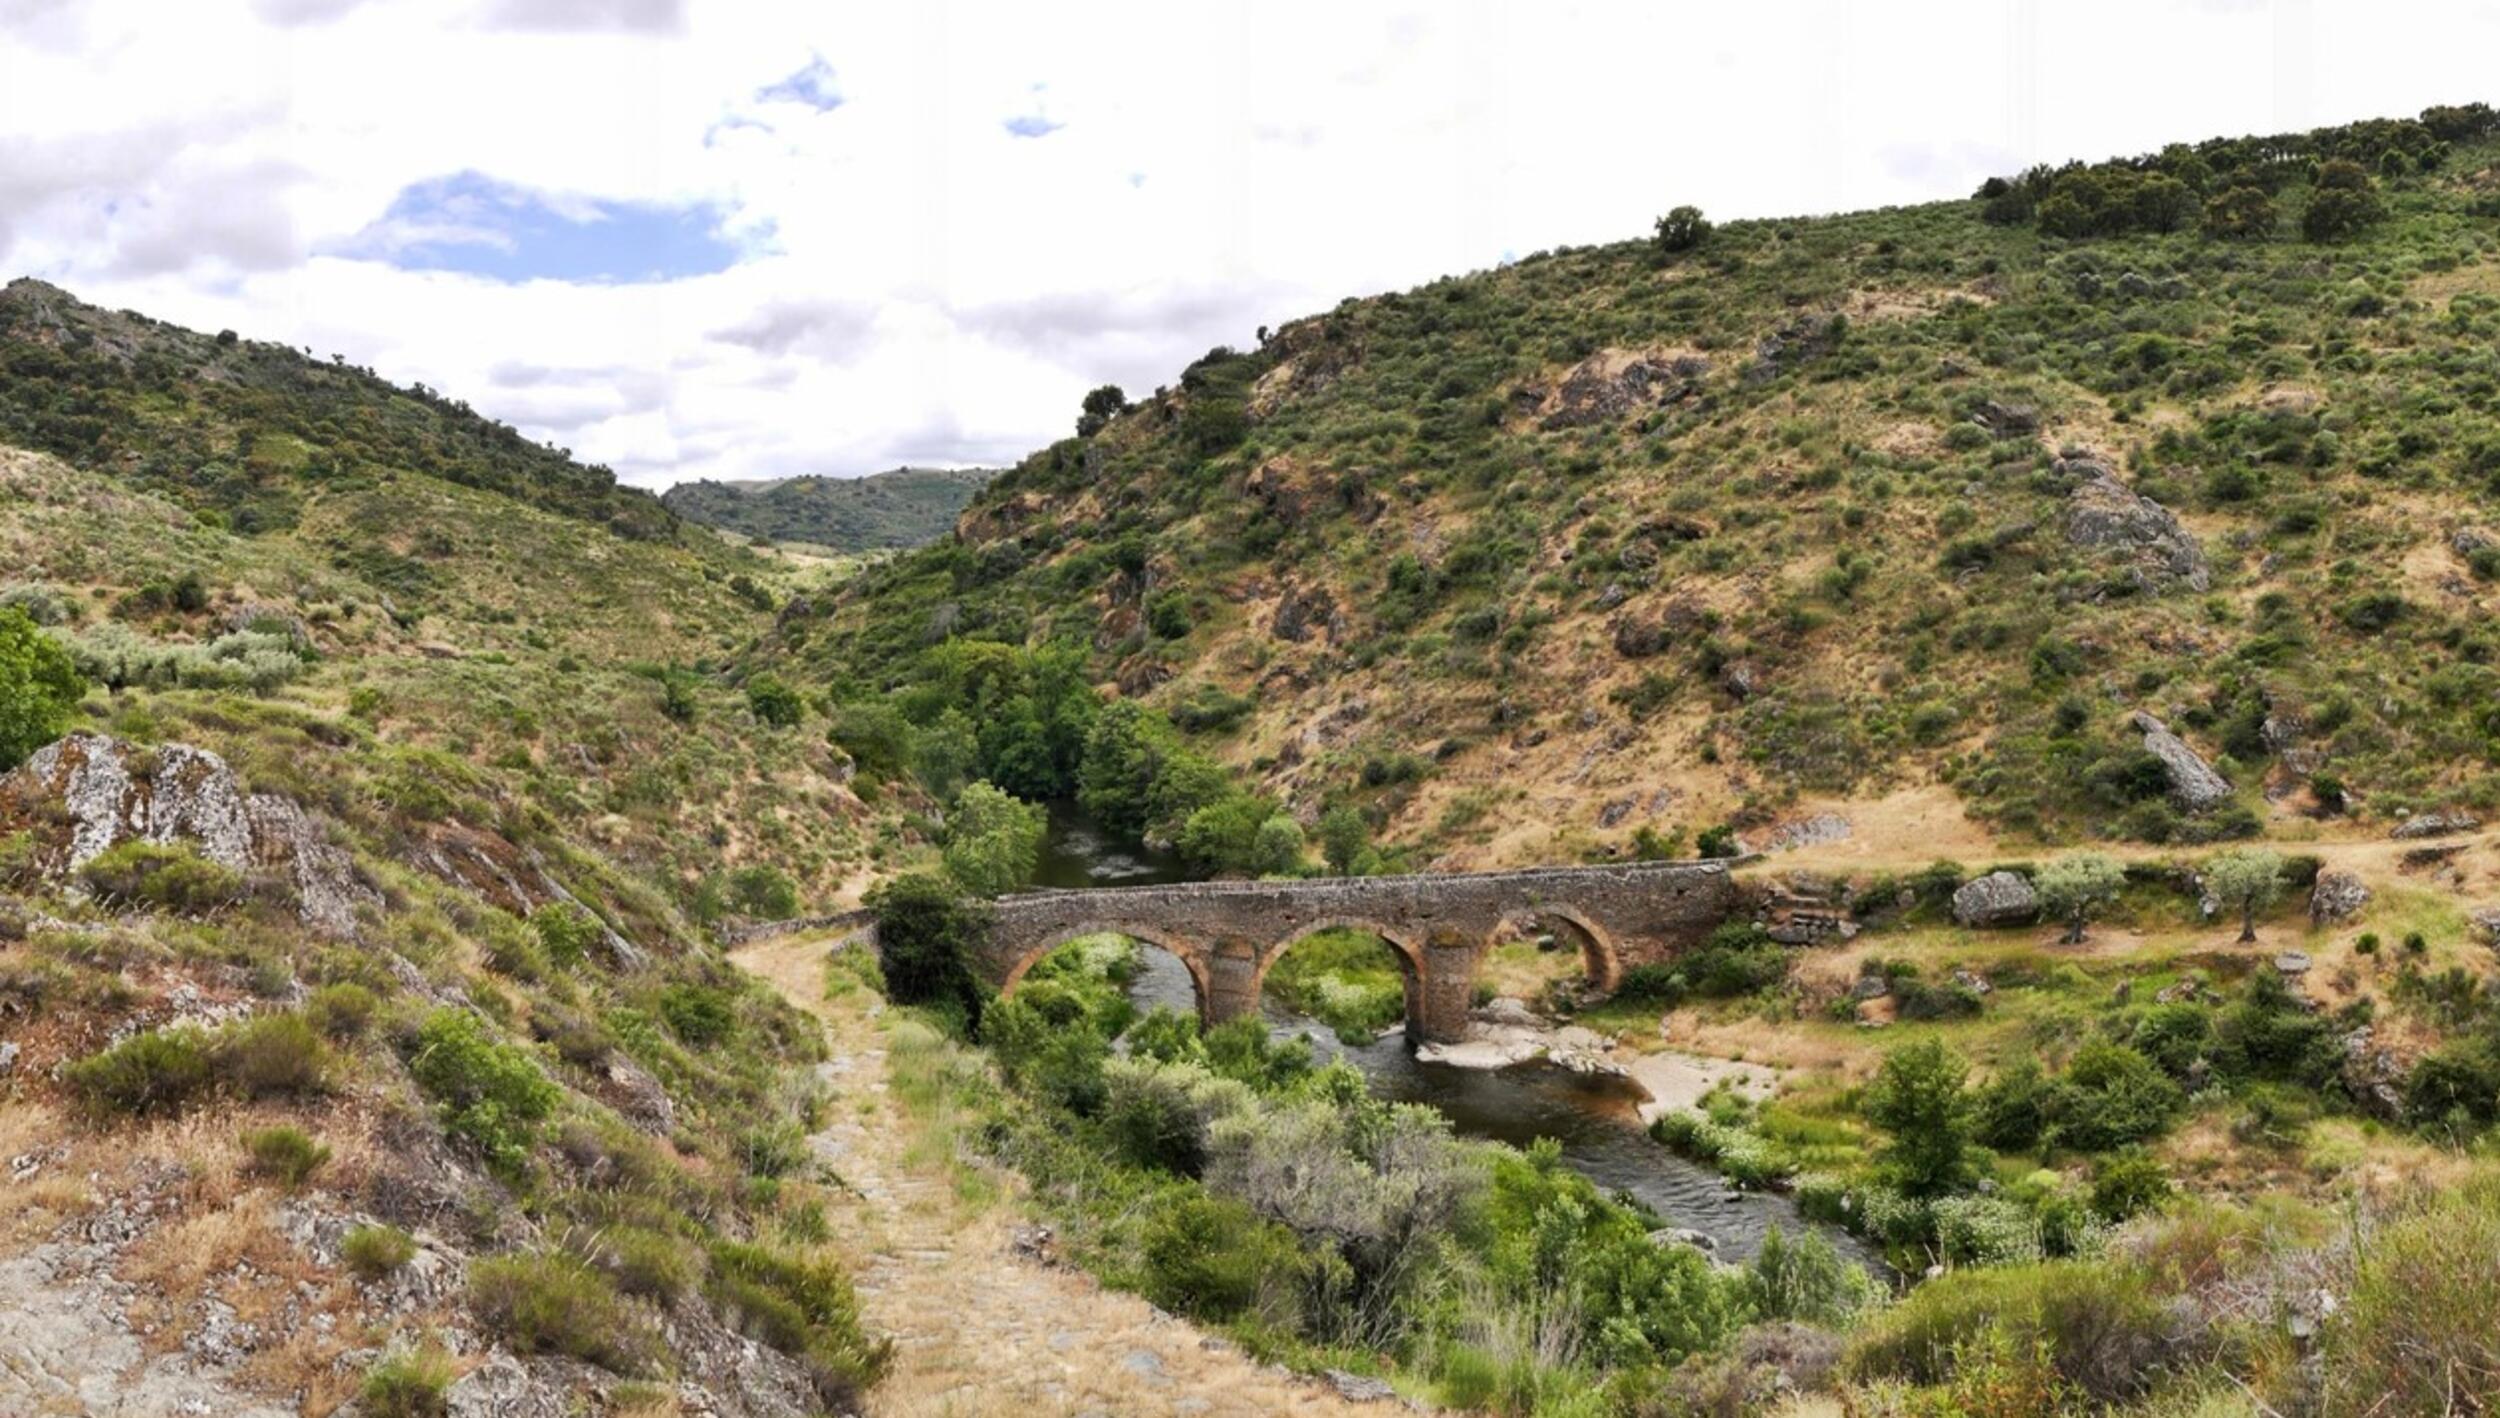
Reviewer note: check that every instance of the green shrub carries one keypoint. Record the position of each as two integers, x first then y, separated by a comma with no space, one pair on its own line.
272,1054
153,1072
165,877
342,1011
285,1153
1211,1258
2104,1330
1804,1279
375,1251
652,1264
565,932
493,1094
925,927
2419,1331
408,1384
39,687
803,1308
774,702
550,1303
2111,1096
2127,1183
698,1014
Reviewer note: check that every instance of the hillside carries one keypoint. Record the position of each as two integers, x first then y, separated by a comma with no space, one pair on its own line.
904,507
381,795
1900,514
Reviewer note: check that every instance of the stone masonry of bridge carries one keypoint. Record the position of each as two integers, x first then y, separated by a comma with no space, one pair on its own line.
1228,933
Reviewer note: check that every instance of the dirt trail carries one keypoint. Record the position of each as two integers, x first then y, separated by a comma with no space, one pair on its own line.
980,1330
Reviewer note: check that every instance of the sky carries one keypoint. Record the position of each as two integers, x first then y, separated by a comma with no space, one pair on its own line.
751,239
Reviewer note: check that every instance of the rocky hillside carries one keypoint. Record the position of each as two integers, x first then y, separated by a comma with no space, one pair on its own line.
906,507
1917,517
373,793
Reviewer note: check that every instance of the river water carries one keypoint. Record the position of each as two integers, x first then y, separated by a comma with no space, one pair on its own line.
1594,1117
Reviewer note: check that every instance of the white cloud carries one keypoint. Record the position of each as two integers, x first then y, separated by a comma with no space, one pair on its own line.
921,283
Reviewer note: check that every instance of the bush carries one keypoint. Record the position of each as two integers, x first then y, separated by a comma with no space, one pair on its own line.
153,1072
2102,1328
409,1384
274,1053
39,687
652,1264
1986,1230
2420,1330
376,1251
342,1011
1212,1259
288,1155
764,892
565,932
774,702
1918,1098
2128,1183
549,1303
493,1094
166,877
1682,229
805,1309
2109,1097
1804,1279
698,1014
925,928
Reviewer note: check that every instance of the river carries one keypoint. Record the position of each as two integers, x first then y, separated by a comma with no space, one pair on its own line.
1593,1116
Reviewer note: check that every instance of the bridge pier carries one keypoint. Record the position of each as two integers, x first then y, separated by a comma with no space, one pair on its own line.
1443,990
1232,984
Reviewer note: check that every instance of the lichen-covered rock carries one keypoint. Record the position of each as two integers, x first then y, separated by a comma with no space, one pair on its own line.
1614,384
1806,338
1305,610
2338,895
87,793
2194,785
2001,898
2105,515
1639,637
2435,824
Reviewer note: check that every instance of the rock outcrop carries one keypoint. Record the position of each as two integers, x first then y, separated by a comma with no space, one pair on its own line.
2194,785
1806,338
86,794
2338,895
1304,611
1615,384
2001,898
2142,536
2435,824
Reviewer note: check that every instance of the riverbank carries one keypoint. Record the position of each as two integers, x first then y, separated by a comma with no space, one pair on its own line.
1505,1033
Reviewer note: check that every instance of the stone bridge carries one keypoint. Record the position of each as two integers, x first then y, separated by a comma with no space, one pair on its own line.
1229,933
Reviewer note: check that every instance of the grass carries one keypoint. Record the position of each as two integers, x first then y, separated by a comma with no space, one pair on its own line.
1351,981
374,1252
551,1303
285,1154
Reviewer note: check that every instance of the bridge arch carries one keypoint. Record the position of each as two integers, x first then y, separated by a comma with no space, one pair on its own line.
1401,943
1180,948
1601,959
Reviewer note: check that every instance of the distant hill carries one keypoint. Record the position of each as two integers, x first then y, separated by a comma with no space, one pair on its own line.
907,507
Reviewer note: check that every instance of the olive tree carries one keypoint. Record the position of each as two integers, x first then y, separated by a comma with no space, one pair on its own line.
2075,888
2248,880
38,687
1682,229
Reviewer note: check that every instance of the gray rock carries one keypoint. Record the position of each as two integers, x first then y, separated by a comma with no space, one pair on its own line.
1973,981
1808,337
1611,385
2006,420
1304,611
1638,638
2486,924
2194,785
2435,824
2104,514
2469,540
1870,987
2292,962
2338,896
2000,898
1358,1388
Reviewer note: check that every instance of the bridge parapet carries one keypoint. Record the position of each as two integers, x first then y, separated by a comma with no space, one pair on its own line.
1230,932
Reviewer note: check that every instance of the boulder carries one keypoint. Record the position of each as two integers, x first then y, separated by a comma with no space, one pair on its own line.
2338,896
2194,785
2105,515
81,796
2006,420
1612,385
2435,824
1806,338
2001,898
1638,638
1359,1388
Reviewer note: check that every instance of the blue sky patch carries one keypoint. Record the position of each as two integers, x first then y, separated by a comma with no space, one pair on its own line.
471,223
1032,125
812,86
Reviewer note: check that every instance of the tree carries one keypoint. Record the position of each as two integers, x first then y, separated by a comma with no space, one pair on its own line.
2250,880
993,839
2163,203
1101,406
775,702
39,686
1682,229
2073,889
1918,1097
2342,208
927,930
1277,847
1343,838
677,699
2241,214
